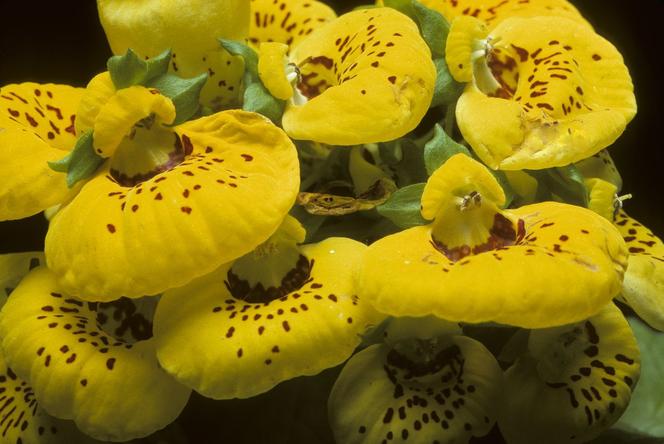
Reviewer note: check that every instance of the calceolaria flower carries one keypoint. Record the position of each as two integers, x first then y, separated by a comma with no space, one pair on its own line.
191,29
36,127
542,91
25,420
515,259
643,285
93,363
351,84
426,384
192,180
286,21
573,382
279,312
493,12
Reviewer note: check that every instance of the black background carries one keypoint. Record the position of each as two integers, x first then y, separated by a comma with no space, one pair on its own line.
62,42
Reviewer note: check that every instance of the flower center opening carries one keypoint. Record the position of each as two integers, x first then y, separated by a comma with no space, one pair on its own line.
414,361
126,320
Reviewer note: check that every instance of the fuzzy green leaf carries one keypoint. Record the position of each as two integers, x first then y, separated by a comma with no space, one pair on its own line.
62,165
129,69
258,99
403,207
565,182
248,54
183,92
433,27
446,90
440,148
645,413
83,161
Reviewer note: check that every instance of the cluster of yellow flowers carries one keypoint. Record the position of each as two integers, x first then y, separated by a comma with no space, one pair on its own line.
211,196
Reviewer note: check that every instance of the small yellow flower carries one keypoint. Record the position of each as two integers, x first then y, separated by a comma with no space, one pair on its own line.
36,127
492,12
573,382
419,386
281,311
75,366
190,29
478,263
286,21
542,92
351,84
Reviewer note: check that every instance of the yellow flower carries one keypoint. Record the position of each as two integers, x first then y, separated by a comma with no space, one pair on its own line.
74,363
280,312
190,29
492,12
573,382
351,85
643,286
36,127
286,21
419,386
542,92
478,263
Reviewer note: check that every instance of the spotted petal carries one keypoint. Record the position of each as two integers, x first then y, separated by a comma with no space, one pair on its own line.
217,340
520,284
76,368
383,395
492,12
286,21
36,127
563,93
643,287
208,210
575,381
190,29
358,86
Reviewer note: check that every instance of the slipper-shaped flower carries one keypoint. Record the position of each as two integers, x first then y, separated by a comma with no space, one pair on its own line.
492,12
36,127
542,92
354,86
573,383
25,421
189,184
190,29
111,386
286,21
643,285
477,263
280,312
440,389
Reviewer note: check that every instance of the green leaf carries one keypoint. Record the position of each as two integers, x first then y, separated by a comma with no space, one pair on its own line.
645,413
403,6
446,90
84,161
259,100
183,92
129,69
62,165
440,148
248,54
403,207
565,182
433,27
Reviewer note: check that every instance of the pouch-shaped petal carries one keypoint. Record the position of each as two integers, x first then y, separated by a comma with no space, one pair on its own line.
574,382
385,395
286,21
358,87
493,12
190,29
643,286
226,339
36,127
237,180
563,93
76,369
476,263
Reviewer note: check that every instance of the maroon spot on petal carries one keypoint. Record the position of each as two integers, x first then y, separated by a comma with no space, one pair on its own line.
286,326
247,157
111,228
597,57
110,362
84,382
158,197
186,210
